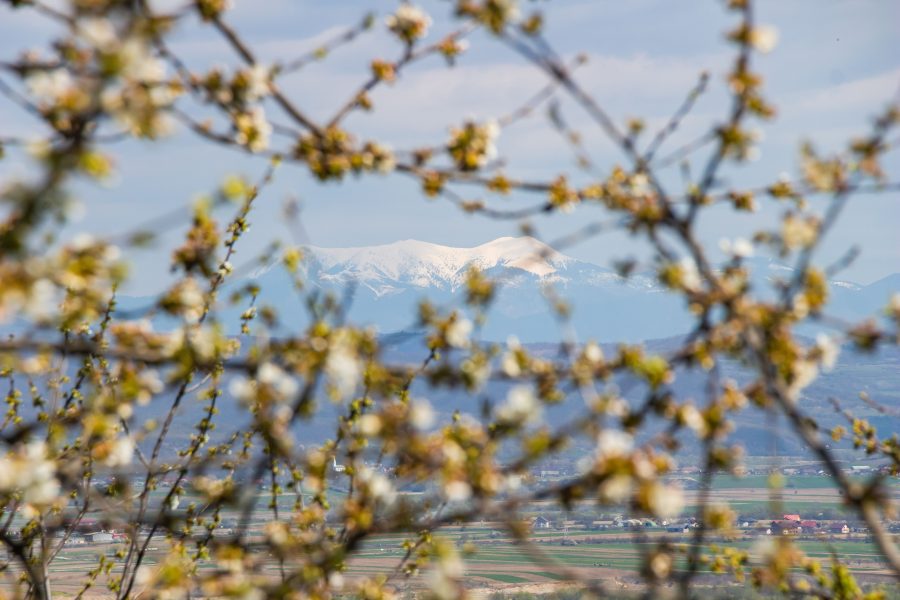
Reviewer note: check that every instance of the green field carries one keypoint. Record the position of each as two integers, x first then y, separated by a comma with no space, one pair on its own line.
503,578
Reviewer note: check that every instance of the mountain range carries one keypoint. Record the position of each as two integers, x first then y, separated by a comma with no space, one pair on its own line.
389,281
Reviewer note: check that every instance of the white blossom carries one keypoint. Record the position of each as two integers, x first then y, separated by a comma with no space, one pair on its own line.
509,364
800,305
665,501
203,342
457,491
368,425
764,38
478,370
253,129
387,161
344,369
491,131
739,247
690,276
453,453
98,32
120,453
83,241
763,549
282,384
336,581
379,486
614,443
139,64
511,483
421,414
805,372
458,332
640,184
521,406
190,300
50,86
828,351
257,78
473,146
616,489
894,305
443,580
799,233
43,301
409,22
242,389
150,383
29,470
593,352
693,419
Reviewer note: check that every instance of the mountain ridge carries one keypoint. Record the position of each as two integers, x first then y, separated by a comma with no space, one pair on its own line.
389,281
425,264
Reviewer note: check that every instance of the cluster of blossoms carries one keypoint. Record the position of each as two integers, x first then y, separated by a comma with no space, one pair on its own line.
186,299
29,470
116,452
823,355
334,154
245,87
241,96
57,88
343,366
627,473
494,14
737,248
272,385
409,23
136,93
253,130
36,298
458,331
211,9
71,288
681,275
105,68
799,232
472,146
521,406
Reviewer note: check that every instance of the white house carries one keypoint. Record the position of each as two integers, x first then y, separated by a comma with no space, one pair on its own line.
337,468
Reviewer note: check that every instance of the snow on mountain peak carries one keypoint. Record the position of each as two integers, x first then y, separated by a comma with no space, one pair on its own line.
424,264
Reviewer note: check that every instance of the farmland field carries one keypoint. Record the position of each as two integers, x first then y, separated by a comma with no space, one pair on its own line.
552,557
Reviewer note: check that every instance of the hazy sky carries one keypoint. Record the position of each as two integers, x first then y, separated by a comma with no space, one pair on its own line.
835,66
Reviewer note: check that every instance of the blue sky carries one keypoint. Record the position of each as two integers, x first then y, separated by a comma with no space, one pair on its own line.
835,65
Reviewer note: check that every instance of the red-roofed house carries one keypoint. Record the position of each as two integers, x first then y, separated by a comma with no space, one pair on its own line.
809,526
791,518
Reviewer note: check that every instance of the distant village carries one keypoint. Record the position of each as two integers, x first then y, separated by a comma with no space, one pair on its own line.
90,531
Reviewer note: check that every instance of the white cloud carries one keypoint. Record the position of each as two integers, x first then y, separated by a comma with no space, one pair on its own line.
865,94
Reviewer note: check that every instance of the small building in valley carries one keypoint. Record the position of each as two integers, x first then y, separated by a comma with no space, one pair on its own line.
839,528
786,527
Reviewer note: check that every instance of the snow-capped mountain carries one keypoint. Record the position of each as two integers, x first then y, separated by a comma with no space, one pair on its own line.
425,265
390,280
411,263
